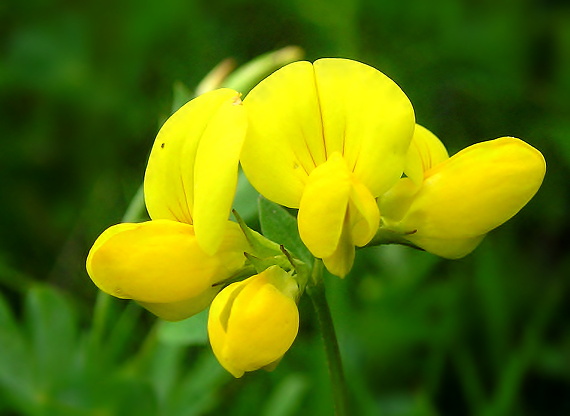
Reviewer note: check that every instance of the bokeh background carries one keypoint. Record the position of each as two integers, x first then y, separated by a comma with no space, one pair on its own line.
84,87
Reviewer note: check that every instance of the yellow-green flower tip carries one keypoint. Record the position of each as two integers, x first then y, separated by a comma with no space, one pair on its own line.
254,322
192,170
160,265
464,197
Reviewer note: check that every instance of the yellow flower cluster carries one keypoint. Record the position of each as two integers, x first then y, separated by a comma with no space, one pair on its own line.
334,139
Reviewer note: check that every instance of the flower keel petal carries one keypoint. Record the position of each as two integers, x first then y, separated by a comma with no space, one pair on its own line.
216,172
160,261
169,177
324,206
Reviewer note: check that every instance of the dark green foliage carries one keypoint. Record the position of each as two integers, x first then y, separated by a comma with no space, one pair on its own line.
83,88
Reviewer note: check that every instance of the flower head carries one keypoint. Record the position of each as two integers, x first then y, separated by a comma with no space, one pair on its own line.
336,140
171,264
328,138
447,205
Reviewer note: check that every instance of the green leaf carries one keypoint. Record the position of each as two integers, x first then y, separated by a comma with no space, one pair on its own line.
245,199
166,366
51,323
180,96
198,391
286,399
191,331
16,378
247,75
120,337
280,226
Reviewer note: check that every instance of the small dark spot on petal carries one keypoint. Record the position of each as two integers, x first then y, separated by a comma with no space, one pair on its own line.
162,146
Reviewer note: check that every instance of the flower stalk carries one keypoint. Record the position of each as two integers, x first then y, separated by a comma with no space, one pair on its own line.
316,291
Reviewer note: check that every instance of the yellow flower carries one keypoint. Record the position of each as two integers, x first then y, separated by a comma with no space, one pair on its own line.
192,170
447,205
160,265
254,322
170,264
328,138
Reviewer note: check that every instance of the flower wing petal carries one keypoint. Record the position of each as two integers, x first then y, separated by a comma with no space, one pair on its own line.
324,205
177,311
169,177
476,190
341,260
160,261
364,215
446,247
216,172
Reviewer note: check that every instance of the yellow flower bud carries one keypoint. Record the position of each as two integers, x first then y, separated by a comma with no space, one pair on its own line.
161,265
254,322
464,197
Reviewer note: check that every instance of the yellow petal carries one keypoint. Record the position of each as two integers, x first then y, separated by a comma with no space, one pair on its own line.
363,213
341,260
216,172
446,247
477,189
367,118
284,141
358,228
324,206
302,114
177,311
194,131
425,152
218,318
160,261
395,203
253,323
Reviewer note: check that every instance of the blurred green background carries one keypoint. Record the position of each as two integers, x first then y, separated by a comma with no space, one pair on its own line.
83,89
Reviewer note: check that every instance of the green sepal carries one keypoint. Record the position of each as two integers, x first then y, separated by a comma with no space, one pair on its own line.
263,263
265,252
261,247
386,235
279,225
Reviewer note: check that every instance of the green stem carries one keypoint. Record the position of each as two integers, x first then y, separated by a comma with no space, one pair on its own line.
100,315
316,291
136,209
247,75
